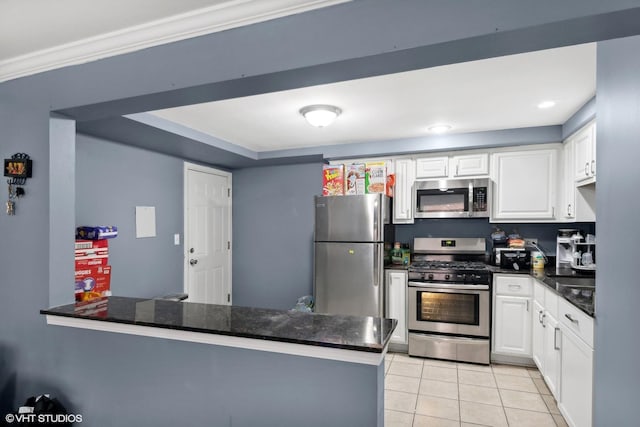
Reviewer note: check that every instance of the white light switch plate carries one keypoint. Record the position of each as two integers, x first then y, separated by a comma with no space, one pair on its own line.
176,239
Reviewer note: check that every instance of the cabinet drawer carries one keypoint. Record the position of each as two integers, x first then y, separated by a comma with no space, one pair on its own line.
576,321
519,285
551,302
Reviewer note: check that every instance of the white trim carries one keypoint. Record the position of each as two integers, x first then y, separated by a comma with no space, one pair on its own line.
185,191
318,352
232,14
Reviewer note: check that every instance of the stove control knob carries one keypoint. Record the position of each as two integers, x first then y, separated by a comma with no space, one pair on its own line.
430,276
447,277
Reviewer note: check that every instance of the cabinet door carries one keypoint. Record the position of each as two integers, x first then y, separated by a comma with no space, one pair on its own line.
551,361
568,206
576,379
432,167
402,197
470,165
512,325
525,185
585,154
538,336
396,304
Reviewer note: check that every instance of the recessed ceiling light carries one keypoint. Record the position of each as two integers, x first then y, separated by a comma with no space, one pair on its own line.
439,128
546,104
320,115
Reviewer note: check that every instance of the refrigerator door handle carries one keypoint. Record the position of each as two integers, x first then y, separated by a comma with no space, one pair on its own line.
378,262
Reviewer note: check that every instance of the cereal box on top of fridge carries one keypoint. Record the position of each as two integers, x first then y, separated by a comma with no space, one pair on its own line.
354,178
333,180
376,177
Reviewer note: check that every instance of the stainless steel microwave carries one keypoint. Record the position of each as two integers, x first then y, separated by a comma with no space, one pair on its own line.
452,198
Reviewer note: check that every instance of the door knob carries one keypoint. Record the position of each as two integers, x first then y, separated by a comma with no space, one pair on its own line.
193,261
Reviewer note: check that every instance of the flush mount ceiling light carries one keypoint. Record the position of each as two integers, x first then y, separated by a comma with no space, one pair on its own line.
546,104
320,115
439,128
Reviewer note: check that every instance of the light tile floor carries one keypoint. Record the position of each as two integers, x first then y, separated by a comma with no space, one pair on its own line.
425,392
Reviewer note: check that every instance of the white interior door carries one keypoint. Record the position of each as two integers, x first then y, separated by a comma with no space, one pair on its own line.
207,233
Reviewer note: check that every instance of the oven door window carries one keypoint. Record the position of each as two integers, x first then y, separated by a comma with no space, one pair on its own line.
444,307
451,200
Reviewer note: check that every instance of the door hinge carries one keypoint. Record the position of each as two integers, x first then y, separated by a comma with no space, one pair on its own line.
228,297
228,245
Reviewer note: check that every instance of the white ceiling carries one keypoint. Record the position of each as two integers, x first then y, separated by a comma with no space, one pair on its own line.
492,94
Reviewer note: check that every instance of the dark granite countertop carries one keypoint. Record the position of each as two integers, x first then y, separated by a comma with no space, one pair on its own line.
575,287
367,334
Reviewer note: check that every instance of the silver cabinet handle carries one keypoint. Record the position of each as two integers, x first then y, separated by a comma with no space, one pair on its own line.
193,261
515,286
544,316
555,338
586,169
527,305
569,209
540,316
593,167
568,316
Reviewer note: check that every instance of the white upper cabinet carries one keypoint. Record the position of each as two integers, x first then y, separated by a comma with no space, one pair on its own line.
585,155
476,164
432,167
525,185
470,165
405,170
568,204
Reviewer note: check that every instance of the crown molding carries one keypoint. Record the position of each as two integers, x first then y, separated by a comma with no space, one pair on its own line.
232,14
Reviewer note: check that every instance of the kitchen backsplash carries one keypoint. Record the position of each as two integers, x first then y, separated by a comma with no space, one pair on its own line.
480,227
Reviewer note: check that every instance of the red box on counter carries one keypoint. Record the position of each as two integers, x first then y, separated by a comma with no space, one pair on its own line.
92,261
92,282
85,249
101,244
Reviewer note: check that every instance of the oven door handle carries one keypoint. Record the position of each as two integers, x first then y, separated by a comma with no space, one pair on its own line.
448,286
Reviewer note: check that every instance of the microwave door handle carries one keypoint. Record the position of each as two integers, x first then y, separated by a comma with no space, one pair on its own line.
470,206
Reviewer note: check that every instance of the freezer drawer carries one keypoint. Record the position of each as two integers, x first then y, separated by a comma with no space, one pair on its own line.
348,278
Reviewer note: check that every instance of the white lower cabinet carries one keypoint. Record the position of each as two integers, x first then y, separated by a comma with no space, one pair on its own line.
576,366
551,361
546,336
512,315
538,335
396,303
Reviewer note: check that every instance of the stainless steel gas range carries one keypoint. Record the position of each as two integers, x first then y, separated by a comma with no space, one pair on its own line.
449,300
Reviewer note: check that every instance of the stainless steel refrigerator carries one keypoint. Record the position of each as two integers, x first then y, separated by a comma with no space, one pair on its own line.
349,247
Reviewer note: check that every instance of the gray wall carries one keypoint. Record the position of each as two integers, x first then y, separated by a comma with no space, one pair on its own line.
111,180
273,234
617,371
128,373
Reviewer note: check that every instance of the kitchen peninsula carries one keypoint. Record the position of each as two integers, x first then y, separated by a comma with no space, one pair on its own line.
282,356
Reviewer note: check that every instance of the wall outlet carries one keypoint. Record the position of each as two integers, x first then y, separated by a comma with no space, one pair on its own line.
528,241
176,239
